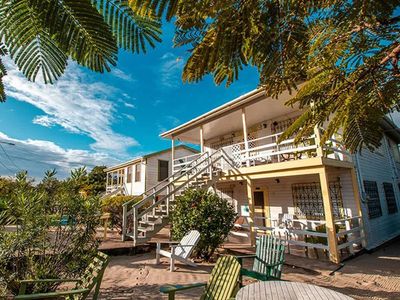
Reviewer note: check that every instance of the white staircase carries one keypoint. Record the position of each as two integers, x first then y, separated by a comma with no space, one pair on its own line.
143,219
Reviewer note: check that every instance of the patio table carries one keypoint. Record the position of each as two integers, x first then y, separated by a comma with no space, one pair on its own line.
287,290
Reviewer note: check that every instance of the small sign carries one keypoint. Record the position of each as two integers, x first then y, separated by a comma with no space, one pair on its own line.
244,211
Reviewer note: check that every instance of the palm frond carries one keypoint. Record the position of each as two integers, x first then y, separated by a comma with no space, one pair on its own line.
81,32
160,7
131,30
29,43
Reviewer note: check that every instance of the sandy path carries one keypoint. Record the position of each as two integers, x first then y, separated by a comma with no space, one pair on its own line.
370,276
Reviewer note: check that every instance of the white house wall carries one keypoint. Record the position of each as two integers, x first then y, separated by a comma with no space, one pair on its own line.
152,164
377,167
137,188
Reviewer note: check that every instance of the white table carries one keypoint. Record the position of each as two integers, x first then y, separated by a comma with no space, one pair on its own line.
275,290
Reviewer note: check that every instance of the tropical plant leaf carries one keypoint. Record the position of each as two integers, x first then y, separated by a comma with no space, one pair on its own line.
80,30
29,43
131,30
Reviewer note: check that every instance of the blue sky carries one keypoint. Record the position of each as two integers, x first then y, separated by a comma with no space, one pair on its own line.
92,119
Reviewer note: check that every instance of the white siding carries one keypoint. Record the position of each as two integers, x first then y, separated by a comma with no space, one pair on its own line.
378,167
152,164
137,188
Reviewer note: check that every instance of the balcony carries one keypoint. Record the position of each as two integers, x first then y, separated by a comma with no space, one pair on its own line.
266,150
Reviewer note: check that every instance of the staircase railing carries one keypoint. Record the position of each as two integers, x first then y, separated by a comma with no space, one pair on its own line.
166,191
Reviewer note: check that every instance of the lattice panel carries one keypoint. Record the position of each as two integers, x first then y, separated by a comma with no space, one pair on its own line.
373,201
308,202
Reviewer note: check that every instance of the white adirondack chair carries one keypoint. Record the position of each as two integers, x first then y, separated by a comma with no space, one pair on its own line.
181,251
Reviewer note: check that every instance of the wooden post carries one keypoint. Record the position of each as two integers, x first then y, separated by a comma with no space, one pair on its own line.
334,255
246,142
201,140
317,134
173,153
357,199
251,208
124,221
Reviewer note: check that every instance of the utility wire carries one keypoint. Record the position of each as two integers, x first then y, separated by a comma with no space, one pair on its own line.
5,167
9,158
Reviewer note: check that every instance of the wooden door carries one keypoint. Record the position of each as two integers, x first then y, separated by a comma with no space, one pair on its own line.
261,208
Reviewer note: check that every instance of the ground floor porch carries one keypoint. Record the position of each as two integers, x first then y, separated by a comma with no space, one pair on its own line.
315,210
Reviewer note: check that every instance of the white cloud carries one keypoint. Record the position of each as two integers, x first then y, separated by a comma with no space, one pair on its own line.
171,69
74,103
130,117
37,156
122,75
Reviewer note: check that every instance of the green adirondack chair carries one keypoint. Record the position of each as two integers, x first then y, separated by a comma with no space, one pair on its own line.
91,279
268,260
222,284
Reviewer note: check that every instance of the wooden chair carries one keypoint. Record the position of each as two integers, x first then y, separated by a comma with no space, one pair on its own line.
222,284
90,279
268,260
181,251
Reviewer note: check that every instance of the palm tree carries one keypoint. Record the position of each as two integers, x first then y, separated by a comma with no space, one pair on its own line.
41,35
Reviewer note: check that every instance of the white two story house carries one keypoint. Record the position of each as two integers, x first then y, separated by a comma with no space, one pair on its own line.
315,196
140,174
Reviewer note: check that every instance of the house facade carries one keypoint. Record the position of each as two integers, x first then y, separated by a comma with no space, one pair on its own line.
314,196
140,174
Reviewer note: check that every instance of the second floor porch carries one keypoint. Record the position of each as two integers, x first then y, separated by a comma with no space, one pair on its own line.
248,130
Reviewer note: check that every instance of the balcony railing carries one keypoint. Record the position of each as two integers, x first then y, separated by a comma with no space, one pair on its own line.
267,150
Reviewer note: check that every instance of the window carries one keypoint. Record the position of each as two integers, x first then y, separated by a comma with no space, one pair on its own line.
137,172
390,198
308,202
162,170
129,175
395,150
373,201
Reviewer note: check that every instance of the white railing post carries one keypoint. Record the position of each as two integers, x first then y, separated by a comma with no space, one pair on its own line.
124,221
167,200
135,223
154,201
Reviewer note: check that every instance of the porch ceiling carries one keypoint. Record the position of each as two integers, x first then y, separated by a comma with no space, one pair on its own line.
216,124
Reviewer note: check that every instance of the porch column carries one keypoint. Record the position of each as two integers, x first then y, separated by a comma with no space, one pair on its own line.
334,255
357,199
172,153
249,190
201,140
246,142
317,134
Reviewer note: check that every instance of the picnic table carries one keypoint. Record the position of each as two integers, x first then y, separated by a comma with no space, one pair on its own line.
287,290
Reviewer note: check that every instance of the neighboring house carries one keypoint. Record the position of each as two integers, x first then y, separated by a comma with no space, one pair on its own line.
315,197
140,174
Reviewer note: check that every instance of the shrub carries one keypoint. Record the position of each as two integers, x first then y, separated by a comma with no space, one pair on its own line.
204,211
113,206
40,247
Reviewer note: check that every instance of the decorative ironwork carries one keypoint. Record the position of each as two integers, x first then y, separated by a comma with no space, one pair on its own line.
308,202
390,198
373,201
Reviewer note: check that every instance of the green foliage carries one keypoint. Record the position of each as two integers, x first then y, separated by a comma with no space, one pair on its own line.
345,54
97,180
34,243
41,35
113,206
204,211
